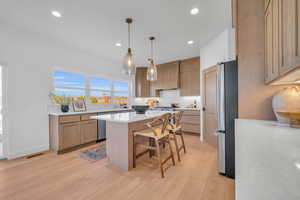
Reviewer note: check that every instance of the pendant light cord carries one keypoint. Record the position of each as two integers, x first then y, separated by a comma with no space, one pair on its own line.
152,49
128,35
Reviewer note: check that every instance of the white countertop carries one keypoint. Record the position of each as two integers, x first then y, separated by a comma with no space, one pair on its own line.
191,109
90,111
267,160
130,116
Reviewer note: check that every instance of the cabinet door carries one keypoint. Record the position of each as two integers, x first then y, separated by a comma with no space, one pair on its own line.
88,131
142,86
167,76
69,135
272,41
288,34
190,77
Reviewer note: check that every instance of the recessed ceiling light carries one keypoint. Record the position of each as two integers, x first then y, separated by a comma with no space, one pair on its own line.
190,42
194,11
118,44
56,14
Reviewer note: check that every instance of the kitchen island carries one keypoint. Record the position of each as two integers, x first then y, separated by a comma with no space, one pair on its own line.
119,134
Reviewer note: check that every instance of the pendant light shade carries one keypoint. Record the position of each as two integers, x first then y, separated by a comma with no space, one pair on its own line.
152,70
128,64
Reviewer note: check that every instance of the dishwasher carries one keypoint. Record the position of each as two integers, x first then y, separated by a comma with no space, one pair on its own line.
101,129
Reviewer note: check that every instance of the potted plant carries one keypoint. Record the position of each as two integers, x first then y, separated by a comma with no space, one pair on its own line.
64,101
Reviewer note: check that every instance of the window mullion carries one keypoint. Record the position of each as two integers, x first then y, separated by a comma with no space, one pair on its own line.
87,89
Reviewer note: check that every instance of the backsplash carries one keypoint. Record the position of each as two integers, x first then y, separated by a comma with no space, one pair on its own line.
167,97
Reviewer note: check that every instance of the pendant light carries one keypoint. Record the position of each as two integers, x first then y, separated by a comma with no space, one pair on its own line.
152,70
128,65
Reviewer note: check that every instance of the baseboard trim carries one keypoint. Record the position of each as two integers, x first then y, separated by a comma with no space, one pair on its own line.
28,152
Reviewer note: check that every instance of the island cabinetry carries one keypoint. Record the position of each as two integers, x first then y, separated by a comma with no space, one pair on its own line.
71,131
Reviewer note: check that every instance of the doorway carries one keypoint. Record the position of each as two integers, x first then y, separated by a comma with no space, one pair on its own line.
210,78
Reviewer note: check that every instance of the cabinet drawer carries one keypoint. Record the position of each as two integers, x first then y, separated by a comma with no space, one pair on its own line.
85,117
191,112
193,128
191,119
69,118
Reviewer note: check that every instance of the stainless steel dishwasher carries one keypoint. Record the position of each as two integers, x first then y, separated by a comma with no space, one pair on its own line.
101,129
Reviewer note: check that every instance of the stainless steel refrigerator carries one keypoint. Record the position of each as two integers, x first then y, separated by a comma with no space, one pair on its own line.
227,112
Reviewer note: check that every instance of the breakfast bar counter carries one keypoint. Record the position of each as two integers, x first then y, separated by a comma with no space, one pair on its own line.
119,134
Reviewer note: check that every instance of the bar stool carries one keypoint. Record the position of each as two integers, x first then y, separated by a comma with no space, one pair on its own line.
157,131
175,129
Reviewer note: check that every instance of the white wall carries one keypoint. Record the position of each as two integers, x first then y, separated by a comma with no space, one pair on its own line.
30,59
219,49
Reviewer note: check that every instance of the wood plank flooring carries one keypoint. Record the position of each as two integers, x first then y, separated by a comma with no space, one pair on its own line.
68,177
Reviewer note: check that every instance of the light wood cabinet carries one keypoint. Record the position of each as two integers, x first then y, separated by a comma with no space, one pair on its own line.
70,135
272,50
71,130
282,38
190,121
167,77
142,86
190,77
88,131
267,4
288,32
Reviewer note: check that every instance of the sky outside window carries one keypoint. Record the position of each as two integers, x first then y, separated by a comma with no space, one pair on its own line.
100,83
121,86
68,79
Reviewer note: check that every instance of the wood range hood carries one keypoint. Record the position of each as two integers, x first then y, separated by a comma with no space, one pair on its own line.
183,75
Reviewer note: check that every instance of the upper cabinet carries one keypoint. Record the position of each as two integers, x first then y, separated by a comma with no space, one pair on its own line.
167,76
142,86
190,77
282,39
183,75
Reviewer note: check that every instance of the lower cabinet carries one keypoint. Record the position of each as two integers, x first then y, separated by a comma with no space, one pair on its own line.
70,135
88,131
71,131
190,121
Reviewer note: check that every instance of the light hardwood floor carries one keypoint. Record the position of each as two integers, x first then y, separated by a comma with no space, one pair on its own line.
64,177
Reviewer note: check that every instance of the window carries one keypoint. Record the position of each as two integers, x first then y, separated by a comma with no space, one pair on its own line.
68,84
94,89
121,91
100,90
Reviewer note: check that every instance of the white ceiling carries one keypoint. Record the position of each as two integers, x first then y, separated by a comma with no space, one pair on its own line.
96,25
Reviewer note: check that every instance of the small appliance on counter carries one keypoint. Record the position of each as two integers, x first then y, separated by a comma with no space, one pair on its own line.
140,109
